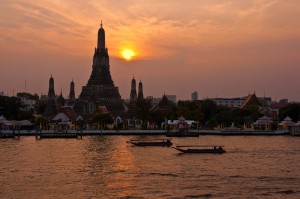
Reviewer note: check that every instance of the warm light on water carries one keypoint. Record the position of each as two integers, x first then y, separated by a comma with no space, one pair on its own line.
108,167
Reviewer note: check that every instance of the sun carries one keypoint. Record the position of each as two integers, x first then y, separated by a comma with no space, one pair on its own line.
128,54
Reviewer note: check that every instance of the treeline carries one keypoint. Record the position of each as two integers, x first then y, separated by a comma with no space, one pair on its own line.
205,111
209,115
11,109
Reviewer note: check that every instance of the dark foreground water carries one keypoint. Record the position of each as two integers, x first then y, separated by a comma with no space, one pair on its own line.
108,167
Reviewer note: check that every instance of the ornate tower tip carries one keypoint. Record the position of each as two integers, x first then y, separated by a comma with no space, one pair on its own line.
101,24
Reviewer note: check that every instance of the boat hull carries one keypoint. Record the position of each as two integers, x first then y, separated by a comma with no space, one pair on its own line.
215,151
149,143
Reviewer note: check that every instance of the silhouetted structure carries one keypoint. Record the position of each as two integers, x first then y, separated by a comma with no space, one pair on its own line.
72,98
164,107
251,100
194,96
72,92
51,106
60,100
100,89
65,113
140,93
133,95
133,99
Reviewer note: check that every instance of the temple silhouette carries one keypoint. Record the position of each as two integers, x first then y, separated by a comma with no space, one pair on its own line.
100,89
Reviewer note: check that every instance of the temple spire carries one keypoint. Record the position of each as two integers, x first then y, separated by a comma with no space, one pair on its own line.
51,92
72,91
101,37
140,93
133,95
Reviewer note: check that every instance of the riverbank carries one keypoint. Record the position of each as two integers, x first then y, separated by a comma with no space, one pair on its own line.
144,132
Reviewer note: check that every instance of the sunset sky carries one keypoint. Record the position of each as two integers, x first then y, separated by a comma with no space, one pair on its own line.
223,48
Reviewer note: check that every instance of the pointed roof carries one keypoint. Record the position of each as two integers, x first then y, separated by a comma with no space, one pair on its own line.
251,100
264,121
287,122
164,105
67,111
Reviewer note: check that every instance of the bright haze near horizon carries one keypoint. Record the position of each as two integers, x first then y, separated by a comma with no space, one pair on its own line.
226,48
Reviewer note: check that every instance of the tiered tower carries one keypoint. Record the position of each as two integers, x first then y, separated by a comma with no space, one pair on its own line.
133,95
51,92
60,102
51,106
141,94
71,100
134,98
72,91
100,89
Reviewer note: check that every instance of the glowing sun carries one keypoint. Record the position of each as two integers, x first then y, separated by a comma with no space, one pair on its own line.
128,54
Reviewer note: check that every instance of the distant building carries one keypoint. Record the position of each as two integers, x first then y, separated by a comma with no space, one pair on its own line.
194,96
27,104
132,101
72,97
276,106
251,100
134,98
229,102
64,114
164,107
172,98
140,93
51,106
60,102
1,93
133,95
154,100
265,101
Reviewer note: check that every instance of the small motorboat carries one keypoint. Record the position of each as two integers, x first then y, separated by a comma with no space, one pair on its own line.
200,149
162,142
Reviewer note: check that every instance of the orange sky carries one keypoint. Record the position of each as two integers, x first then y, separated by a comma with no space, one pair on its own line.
218,48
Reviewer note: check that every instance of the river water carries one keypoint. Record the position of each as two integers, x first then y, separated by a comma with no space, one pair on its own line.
109,167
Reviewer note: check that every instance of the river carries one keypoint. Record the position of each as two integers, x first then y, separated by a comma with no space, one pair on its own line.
109,167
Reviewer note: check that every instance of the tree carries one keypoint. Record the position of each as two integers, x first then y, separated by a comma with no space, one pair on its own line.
102,117
28,96
208,108
190,110
40,106
10,107
292,110
143,107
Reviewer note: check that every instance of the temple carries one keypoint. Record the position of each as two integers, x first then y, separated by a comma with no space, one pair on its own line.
100,89
134,98
51,106
72,92
141,94
133,95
